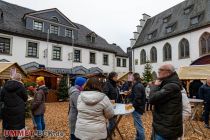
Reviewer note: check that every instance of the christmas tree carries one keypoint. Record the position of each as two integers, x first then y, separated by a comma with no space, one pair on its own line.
147,75
63,89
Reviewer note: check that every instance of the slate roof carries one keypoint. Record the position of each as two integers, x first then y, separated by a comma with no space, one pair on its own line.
13,23
178,17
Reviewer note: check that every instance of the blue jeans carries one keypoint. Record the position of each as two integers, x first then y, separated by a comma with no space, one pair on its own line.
155,136
158,137
112,123
206,114
39,119
139,126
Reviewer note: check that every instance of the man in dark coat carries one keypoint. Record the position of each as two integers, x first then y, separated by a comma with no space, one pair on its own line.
167,100
14,97
204,93
194,88
138,99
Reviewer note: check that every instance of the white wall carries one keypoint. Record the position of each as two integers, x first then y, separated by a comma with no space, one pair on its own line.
19,49
193,39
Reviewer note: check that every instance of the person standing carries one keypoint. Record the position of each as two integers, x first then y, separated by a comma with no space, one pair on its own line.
194,88
167,100
110,87
111,90
38,105
14,96
138,99
147,92
74,92
204,93
94,108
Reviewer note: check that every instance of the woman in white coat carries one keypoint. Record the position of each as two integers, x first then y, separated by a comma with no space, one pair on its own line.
94,108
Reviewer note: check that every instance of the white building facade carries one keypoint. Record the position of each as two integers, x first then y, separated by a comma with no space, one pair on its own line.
61,45
179,36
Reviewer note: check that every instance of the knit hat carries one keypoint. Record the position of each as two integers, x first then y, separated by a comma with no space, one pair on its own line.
80,81
40,79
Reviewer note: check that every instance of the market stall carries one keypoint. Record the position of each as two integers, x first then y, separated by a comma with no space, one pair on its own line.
8,70
51,81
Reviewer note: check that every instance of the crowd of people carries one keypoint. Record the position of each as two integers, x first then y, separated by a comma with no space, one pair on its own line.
91,112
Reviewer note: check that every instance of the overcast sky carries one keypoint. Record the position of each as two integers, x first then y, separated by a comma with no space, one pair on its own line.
114,20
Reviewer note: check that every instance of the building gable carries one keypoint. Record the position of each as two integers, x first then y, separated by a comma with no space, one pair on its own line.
53,16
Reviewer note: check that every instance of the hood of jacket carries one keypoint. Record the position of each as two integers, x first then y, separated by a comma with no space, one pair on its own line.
92,97
13,85
73,89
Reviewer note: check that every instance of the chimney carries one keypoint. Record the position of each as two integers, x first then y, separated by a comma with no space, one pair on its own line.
139,28
142,22
136,35
133,41
146,17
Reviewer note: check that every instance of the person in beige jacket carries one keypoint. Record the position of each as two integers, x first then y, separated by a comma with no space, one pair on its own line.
94,108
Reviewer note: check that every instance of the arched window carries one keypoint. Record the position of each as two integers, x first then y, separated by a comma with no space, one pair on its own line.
153,55
143,57
55,19
184,49
205,44
167,52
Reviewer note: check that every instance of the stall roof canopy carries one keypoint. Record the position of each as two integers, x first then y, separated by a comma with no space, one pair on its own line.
194,72
5,69
42,72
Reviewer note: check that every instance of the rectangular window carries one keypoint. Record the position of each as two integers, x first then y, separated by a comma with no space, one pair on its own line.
124,63
118,62
54,29
106,59
56,53
38,25
4,45
92,58
32,50
68,33
77,56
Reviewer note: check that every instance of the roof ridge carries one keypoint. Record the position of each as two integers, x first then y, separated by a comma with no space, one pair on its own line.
8,3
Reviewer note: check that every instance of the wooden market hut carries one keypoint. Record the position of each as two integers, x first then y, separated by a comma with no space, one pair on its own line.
51,81
7,69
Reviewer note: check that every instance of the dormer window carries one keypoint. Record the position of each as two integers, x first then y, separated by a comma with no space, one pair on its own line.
91,37
152,35
170,28
68,33
54,29
38,25
196,19
188,9
166,19
54,19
